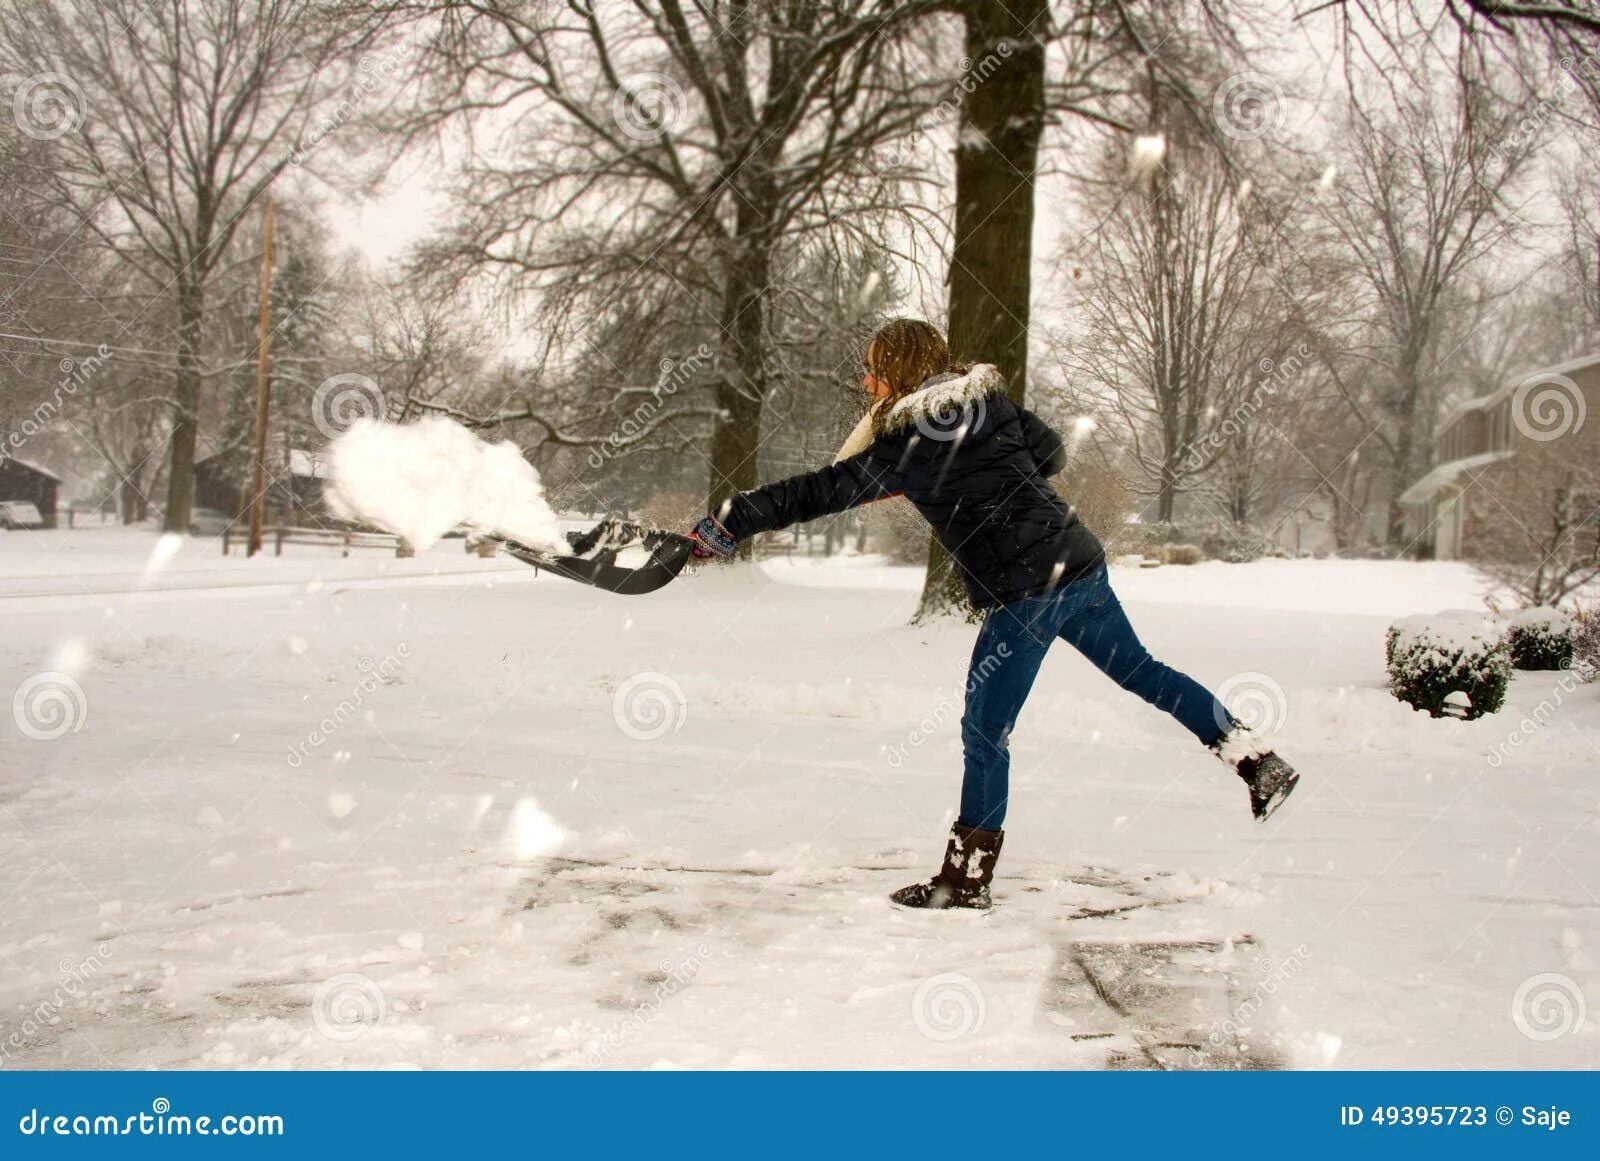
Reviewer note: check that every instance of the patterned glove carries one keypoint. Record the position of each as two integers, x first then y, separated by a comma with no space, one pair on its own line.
712,539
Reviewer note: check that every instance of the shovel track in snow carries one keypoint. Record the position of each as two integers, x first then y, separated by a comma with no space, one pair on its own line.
1117,999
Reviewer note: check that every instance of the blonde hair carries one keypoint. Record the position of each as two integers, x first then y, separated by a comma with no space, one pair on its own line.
905,353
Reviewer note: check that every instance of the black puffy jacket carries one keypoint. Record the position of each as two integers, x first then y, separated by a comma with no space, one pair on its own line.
976,466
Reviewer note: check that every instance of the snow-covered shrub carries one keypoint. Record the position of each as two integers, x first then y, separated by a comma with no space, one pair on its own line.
1181,554
1432,657
1216,539
1540,638
1148,538
1586,644
1234,543
896,530
674,510
1101,497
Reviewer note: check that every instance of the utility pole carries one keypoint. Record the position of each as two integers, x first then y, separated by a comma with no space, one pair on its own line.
263,384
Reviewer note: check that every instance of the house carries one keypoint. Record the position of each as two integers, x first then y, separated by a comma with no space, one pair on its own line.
32,484
1502,461
295,479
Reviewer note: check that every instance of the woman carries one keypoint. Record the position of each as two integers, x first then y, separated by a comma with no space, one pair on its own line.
978,468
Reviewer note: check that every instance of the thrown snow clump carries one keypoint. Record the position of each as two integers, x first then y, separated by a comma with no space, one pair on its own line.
420,480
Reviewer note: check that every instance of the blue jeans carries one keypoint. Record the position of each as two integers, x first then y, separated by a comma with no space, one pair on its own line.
1011,647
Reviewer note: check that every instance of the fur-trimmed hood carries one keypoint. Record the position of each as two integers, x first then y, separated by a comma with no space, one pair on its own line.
936,401
975,464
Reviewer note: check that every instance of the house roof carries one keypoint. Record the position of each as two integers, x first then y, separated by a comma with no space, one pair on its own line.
32,467
1582,363
1423,490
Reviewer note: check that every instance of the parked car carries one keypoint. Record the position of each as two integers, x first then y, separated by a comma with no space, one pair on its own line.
15,514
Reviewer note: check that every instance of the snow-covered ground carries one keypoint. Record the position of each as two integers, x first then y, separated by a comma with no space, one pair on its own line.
444,812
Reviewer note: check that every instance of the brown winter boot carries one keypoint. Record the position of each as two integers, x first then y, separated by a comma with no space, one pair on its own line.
963,881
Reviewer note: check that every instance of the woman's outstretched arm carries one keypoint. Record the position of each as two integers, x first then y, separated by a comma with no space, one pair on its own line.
835,488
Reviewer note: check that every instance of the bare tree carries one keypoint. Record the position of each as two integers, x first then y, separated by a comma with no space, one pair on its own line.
1425,194
672,148
1177,311
48,276
1480,35
1578,259
169,121
1113,56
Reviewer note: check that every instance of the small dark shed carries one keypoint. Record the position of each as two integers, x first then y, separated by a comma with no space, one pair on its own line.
21,480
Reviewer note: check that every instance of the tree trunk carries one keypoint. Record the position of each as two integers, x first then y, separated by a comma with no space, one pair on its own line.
997,155
185,411
131,507
1167,495
742,386
1405,440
